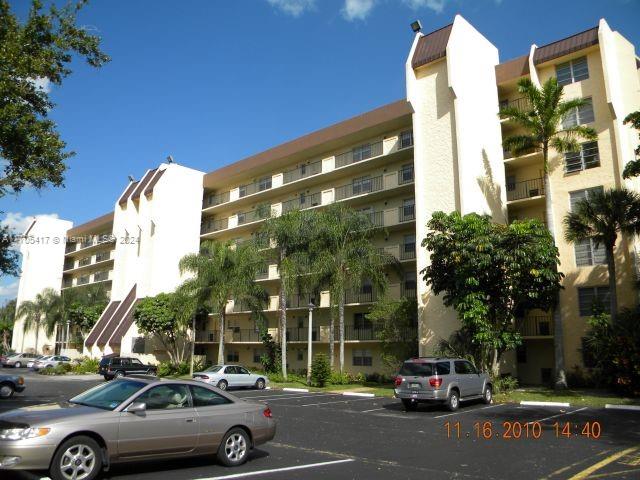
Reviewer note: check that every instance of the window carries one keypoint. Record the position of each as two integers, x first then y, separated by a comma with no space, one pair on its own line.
410,280
587,157
361,322
579,195
587,254
590,298
242,371
203,397
521,353
138,345
362,358
136,362
242,191
511,182
408,211
406,138
464,368
362,152
102,256
361,185
573,71
264,183
101,276
424,369
257,354
83,280
406,174
408,247
579,115
233,357
165,397
84,261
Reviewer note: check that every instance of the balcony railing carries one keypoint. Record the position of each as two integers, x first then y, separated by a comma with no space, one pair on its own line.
358,154
302,171
302,202
241,307
526,189
262,273
364,295
371,333
101,276
252,216
299,300
216,199
536,326
359,187
408,291
205,336
405,175
407,213
408,251
213,225
245,335
301,334
255,187
70,247
521,103
69,264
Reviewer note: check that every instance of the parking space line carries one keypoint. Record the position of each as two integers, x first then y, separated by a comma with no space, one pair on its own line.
559,415
338,401
300,396
602,463
470,411
289,395
276,470
372,410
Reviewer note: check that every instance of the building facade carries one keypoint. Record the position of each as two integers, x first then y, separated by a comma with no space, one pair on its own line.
440,148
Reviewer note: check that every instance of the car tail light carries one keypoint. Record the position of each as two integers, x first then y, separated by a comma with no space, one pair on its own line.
267,412
435,382
397,381
20,381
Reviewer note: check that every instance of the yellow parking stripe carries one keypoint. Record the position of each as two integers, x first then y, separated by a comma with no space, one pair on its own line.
603,463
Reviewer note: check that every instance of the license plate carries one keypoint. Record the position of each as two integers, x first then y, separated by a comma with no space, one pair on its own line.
414,386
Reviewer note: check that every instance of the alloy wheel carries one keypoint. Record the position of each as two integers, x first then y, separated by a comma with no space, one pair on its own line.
77,462
235,447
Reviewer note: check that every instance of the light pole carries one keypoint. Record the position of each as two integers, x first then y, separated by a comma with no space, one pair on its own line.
310,342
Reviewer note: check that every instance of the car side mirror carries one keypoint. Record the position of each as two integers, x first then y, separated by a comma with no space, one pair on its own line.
137,407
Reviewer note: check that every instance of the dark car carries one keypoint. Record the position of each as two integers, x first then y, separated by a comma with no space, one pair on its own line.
10,384
112,367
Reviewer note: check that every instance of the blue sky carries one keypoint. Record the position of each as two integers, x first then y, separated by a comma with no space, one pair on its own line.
211,82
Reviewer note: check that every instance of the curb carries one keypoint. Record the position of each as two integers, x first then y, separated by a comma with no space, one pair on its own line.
544,404
358,394
611,406
303,390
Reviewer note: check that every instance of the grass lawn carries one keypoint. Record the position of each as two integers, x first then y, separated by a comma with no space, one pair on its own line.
579,397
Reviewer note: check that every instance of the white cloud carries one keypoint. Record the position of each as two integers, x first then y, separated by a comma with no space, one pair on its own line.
357,9
293,7
18,223
42,83
435,5
9,291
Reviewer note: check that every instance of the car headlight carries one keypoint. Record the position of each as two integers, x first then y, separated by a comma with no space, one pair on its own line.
22,433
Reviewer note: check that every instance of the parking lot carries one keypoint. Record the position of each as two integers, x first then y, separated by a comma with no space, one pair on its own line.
322,435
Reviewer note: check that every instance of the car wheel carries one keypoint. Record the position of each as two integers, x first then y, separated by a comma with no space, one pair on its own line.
260,384
151,372
17,365
234,448
222,384
453,401
107,378
6,390
79,458
409,405
119,374
487,397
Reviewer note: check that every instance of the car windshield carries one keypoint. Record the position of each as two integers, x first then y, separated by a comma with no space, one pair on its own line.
108,395
214,369
417,369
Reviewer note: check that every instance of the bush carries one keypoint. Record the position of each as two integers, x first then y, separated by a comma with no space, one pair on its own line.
85,366
165,369
320,370
291,377
61,369
504,384
360,378
578,378
338,378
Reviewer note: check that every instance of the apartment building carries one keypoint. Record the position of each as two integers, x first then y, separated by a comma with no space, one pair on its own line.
440,148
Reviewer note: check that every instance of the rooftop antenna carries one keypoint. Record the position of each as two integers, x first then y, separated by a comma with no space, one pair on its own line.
169,159
416,26
131,179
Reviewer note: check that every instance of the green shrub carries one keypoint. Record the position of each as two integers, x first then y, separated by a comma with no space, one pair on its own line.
86,365
165,369
578,378
338,378
360,378
504,384
320,370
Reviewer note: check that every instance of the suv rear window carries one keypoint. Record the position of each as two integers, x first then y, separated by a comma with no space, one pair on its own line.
425,369
105,361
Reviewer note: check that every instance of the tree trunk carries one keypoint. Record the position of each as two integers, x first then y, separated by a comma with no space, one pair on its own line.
332,338
495,364
341,328
37,335
282,306
613,288
222,326
558,329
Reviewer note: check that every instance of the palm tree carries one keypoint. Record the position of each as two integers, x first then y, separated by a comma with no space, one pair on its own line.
45,309
222,272
600,218
344,257
7,318
541,118
292,233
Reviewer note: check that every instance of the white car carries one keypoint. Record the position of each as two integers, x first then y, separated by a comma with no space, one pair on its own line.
33,361
52,361
224,376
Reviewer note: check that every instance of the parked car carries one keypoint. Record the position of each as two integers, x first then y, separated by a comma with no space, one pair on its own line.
137,417
441,380
112,367
32,362
50,361
225,376
18,360
10,384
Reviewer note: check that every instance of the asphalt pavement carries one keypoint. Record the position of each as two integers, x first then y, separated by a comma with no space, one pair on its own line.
322,435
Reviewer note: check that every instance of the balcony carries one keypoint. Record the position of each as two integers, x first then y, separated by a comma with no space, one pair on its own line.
302,171
301,334
536,326
300,300
214,225
88,243
358,154
407,213
359,187
243,335
405,175
520,103
216,199
364,295
523,190
407,251
370,333
302,202
252,216
208,336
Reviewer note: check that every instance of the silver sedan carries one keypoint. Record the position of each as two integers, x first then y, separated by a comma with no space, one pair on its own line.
131,419
225,376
